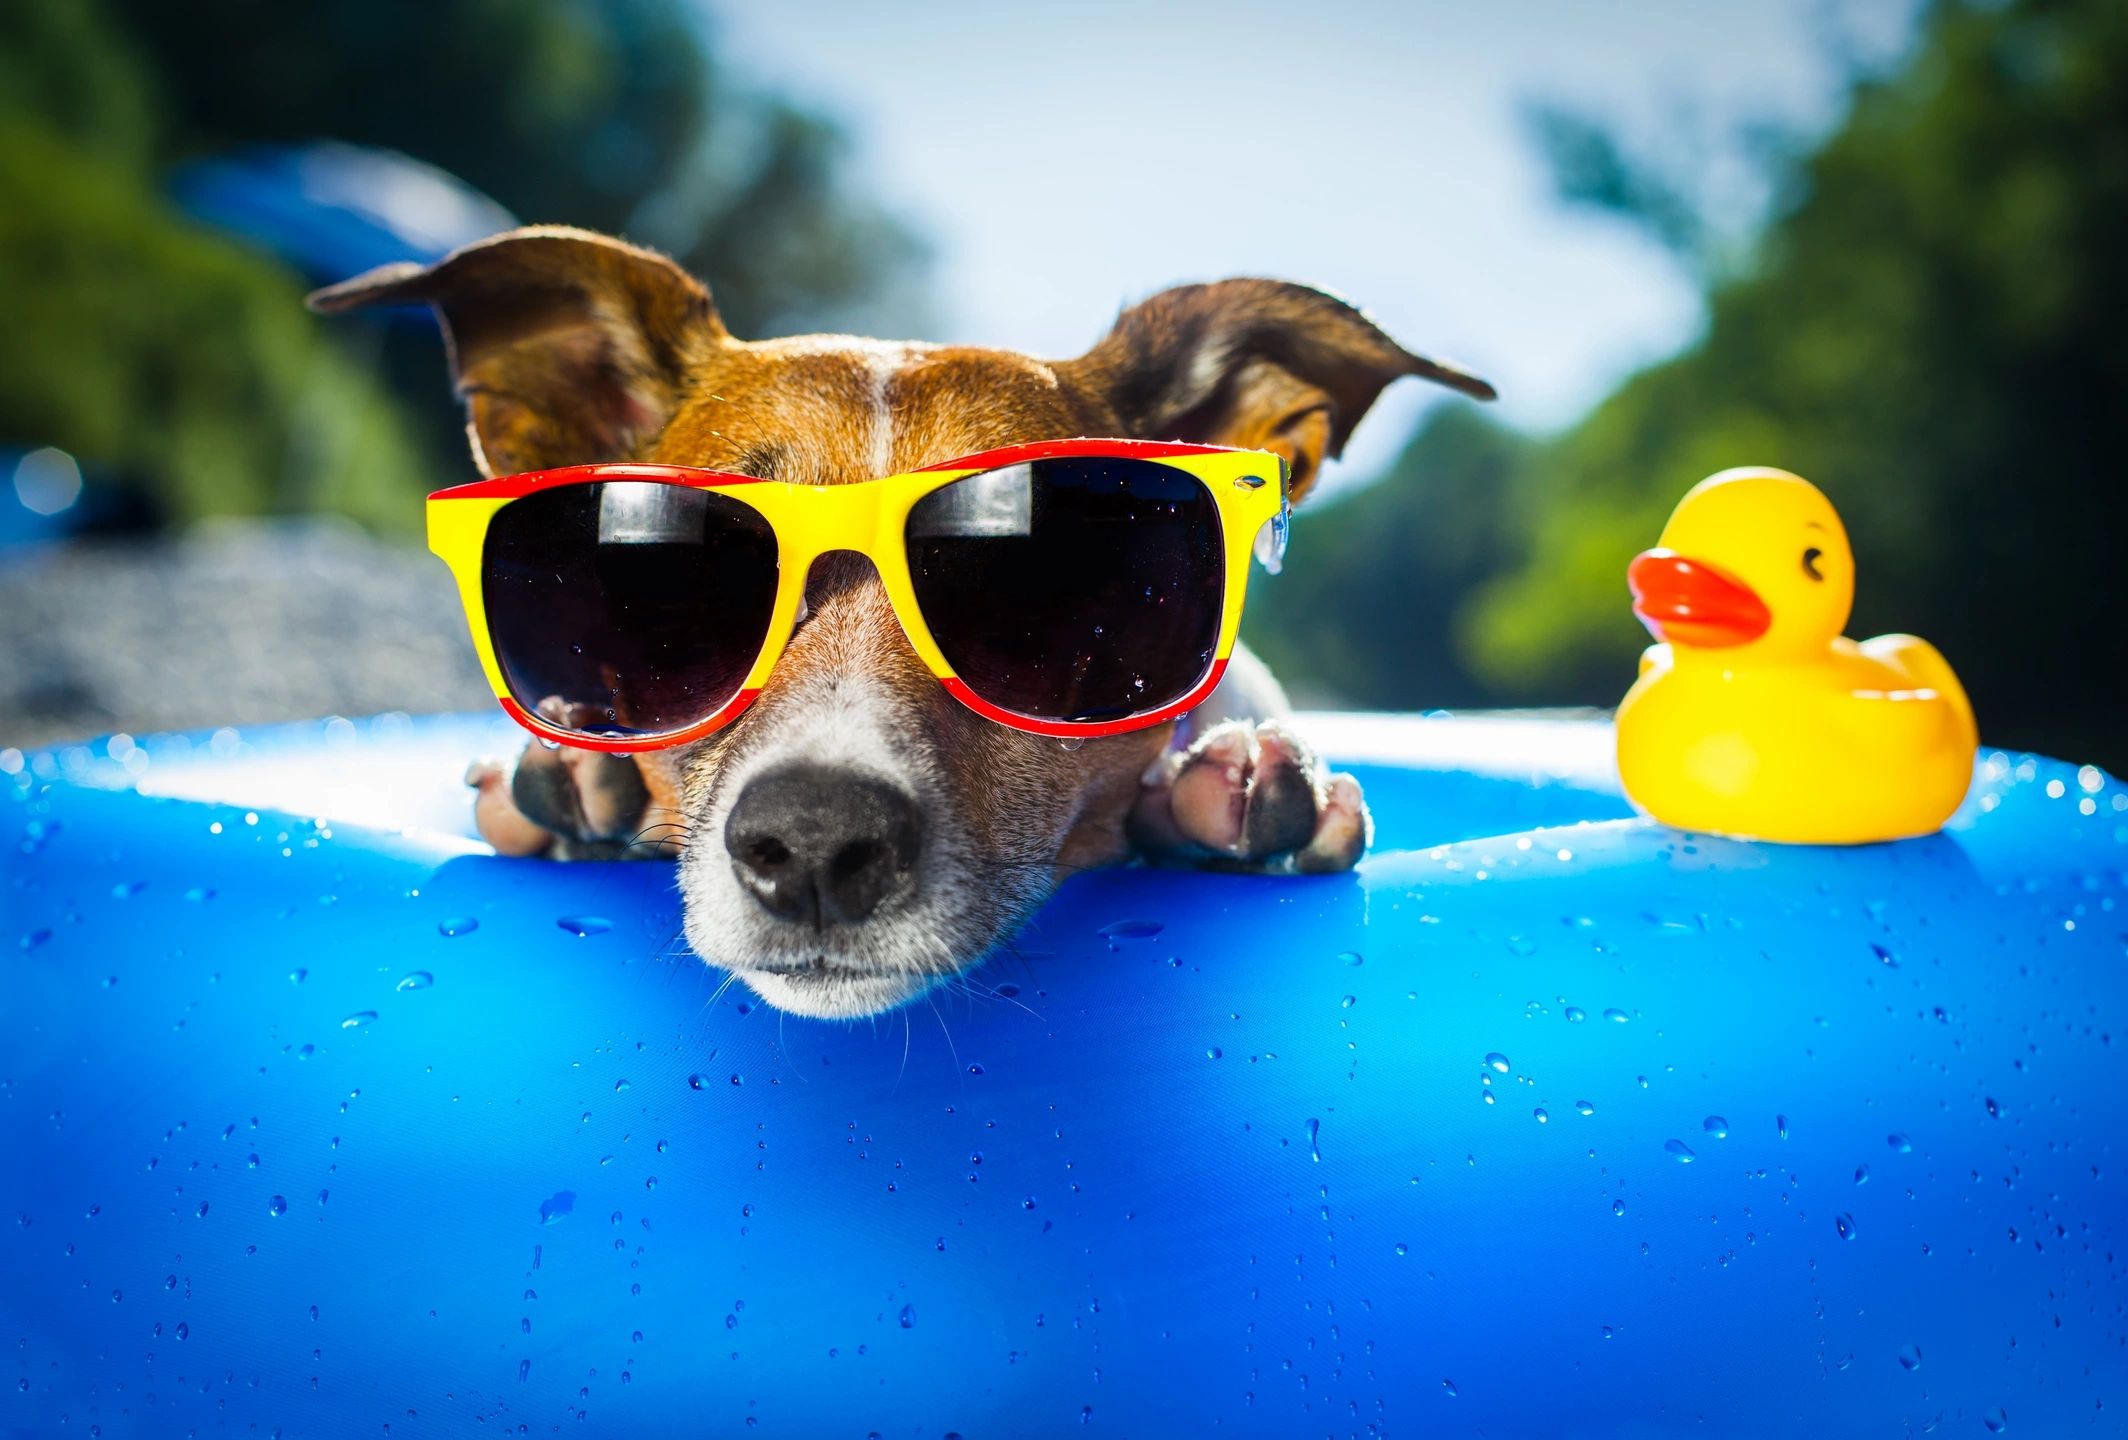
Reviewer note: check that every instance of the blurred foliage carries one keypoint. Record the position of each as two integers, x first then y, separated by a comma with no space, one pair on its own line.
183,361
1591,168
143,344
1934,328
146,345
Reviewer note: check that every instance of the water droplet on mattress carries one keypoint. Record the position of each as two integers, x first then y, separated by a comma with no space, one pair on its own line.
456,925
415,980
585,925
1679,1151
357,1020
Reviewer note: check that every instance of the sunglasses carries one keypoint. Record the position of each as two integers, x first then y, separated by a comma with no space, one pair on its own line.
1071,587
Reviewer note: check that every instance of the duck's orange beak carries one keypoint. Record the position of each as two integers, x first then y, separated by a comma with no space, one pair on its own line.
1685,602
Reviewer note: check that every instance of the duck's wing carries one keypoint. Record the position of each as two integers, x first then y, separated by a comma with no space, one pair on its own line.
1924,667
1892,727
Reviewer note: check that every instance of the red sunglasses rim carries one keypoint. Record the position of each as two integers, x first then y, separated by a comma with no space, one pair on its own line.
955,686
530,481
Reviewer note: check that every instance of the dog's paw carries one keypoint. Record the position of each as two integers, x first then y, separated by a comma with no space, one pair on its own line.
561,801
1251,796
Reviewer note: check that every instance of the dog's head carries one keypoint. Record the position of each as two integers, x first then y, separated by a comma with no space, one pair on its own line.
858,834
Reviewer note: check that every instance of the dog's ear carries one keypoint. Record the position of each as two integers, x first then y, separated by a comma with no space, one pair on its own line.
568,347
1262,364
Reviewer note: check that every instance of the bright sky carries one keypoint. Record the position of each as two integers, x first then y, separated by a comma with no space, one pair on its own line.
1068,158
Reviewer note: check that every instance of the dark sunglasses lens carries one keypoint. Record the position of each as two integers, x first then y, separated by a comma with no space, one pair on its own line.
1083,589
640,605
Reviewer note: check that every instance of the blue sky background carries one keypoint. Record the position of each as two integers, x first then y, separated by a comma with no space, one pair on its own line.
1065,159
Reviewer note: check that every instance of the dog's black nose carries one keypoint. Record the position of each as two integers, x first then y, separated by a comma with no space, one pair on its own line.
822,846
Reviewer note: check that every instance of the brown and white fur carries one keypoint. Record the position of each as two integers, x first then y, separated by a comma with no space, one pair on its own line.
570,348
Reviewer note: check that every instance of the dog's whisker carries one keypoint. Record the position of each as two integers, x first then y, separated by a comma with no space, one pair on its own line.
945,1030
968,987
730,978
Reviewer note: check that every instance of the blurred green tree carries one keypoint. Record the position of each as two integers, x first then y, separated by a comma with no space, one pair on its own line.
1934,327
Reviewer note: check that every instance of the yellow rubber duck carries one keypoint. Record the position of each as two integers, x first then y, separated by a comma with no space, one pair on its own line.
1753,715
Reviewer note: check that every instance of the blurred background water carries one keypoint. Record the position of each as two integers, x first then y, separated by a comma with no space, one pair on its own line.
1874,241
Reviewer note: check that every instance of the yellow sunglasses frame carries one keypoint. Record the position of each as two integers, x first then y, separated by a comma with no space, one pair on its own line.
869,518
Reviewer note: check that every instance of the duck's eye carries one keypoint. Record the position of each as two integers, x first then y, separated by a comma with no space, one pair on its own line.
1810,563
